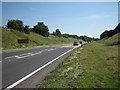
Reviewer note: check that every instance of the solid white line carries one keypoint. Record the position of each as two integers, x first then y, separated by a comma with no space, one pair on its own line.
27,76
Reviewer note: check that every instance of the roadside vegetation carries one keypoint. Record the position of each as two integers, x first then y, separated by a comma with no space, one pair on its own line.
95,65
42,29
110,33
113,40
10,36
111,37
37,36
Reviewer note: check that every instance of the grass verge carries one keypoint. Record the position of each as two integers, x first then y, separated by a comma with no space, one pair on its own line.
93,66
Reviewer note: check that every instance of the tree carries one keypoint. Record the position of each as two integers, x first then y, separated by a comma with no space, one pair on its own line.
12,24
41,29
16,25
26,29
58,33
110,33
104,34
54,33
20,24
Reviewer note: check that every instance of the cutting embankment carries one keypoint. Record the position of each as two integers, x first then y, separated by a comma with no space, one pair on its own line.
94,65
10,37
114,40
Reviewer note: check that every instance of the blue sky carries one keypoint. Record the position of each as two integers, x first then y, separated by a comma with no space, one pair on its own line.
80,18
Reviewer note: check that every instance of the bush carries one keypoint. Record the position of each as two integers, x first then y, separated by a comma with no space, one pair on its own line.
65,35
26,29
16,25
57,33
41,29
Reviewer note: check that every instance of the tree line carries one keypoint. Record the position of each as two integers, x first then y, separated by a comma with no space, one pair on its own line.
85,38
43,30
110,33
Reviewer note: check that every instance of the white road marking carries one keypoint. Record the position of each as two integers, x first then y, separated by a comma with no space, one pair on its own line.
36,53
24,54
9,57
45,49
19,57
16,55
50,49
29,54
27,76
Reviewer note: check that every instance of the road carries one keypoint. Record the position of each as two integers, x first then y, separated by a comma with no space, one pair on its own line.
22,64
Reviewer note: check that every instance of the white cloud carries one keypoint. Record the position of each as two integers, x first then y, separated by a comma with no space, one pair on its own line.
95,17
101,16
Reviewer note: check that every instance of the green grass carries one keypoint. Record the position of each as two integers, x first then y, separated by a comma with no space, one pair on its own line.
9,39
93,66
114,40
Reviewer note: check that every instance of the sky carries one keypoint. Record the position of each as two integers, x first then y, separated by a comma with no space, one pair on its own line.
78,18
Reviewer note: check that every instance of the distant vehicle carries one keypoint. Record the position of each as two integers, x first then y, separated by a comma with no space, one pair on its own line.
76,43
80,42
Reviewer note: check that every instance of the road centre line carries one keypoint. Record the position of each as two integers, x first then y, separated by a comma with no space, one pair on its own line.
19,57
24,54
50,49
32,73
16,55
9,57
29,54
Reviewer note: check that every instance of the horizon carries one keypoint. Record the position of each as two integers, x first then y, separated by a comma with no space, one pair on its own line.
82,18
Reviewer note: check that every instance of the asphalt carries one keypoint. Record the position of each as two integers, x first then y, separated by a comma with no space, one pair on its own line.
17,64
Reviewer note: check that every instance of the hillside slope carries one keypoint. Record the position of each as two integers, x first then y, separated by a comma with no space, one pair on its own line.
9,39
114,40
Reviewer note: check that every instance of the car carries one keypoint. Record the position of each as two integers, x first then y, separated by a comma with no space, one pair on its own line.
80,42
75,43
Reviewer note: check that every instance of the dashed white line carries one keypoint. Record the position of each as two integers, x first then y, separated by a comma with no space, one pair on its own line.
50,49
24,54
9,57
16,55
28,54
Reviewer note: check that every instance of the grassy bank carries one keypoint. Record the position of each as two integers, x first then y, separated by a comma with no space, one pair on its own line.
93,66
9,39
114,40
